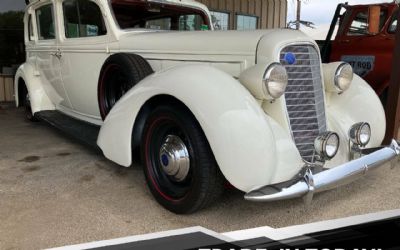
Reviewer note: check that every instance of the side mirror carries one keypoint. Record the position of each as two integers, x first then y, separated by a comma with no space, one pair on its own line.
374,17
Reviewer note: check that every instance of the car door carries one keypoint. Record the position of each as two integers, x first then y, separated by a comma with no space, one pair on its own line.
83,47
47,54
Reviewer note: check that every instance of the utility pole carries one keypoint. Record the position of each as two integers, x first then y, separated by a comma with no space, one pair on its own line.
298,14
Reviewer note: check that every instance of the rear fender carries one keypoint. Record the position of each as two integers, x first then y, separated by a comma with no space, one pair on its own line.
38,97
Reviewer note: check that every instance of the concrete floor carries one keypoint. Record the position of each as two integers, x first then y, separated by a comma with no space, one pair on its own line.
54,192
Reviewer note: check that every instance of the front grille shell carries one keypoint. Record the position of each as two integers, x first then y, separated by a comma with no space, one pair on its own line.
304,97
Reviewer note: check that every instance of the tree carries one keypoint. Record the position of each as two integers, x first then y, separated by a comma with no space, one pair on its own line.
11,38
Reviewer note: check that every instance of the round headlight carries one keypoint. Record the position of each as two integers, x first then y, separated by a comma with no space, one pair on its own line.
343,77
275,80
360,133
327,145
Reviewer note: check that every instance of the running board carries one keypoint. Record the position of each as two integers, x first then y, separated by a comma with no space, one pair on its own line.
82,131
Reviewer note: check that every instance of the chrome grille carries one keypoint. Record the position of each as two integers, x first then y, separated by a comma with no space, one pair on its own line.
304,97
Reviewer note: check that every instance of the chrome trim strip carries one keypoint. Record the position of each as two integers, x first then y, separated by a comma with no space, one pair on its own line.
327,179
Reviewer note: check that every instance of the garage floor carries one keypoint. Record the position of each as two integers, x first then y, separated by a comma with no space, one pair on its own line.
54,192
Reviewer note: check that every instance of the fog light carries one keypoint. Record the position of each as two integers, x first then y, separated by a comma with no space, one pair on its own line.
360,133
327,145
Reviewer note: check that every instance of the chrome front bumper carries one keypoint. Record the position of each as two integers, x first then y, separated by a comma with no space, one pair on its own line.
325,180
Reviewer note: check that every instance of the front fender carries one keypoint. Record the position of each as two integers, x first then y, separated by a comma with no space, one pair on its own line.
38,97
238,131
357,104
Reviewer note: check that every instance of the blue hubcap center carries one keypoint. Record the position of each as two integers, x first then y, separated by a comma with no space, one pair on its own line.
164,160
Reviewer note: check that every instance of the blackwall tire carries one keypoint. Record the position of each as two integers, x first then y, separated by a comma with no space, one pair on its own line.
195,185
119,73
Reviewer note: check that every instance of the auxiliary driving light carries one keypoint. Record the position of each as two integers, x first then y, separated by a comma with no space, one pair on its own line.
327,145
360,133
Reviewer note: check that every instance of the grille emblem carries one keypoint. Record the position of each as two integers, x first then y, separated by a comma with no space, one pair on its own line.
290,58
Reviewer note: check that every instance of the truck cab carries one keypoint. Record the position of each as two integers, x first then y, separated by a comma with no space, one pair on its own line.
366,39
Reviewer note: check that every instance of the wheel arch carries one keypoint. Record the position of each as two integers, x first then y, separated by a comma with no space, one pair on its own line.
26,75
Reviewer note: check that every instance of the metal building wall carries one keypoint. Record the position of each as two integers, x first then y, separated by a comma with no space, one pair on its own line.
270,13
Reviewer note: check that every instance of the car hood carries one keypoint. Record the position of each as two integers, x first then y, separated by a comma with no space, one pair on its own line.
196,42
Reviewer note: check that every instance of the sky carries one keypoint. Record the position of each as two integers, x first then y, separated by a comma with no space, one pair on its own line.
7,5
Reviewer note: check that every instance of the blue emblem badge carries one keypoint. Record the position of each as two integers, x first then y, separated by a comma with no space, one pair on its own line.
290,58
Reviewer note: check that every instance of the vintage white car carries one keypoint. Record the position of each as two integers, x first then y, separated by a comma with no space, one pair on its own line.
256,109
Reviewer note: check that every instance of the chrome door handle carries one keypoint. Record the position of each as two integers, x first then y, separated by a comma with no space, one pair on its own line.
57,54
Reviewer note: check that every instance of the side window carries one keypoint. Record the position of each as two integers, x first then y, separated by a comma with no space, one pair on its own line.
31,36
190,22
244,22
45,22
83,18
359,26
220,20
393,23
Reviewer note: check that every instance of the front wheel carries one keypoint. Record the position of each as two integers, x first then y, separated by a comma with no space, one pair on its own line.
180,168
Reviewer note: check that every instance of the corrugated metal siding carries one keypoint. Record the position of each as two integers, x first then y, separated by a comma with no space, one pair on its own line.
270,13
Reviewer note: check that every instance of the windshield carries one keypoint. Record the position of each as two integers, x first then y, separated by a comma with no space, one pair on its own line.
136,14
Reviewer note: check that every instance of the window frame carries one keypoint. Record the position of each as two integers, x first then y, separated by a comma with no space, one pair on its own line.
237,14
63,22
53,8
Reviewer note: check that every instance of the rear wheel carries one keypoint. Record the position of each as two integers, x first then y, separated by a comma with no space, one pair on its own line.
180,168
26,102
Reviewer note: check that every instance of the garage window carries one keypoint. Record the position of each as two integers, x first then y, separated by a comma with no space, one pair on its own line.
45,22
220,20
244,22
83,18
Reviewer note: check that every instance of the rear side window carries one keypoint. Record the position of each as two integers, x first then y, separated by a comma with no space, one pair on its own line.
45,22
83,18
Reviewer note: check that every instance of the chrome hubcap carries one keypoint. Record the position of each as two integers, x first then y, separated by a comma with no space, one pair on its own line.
174,158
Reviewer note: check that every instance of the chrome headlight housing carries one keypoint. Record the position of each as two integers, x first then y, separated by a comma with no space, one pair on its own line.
275,80
327,145
343,77
360,133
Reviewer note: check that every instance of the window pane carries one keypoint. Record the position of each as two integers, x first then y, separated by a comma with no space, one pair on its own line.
83,18
393,24
246,22
359,26
220,20
159,24
71,19
45,22
157,15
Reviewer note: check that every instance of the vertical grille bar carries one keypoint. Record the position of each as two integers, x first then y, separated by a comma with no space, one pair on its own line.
304,97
